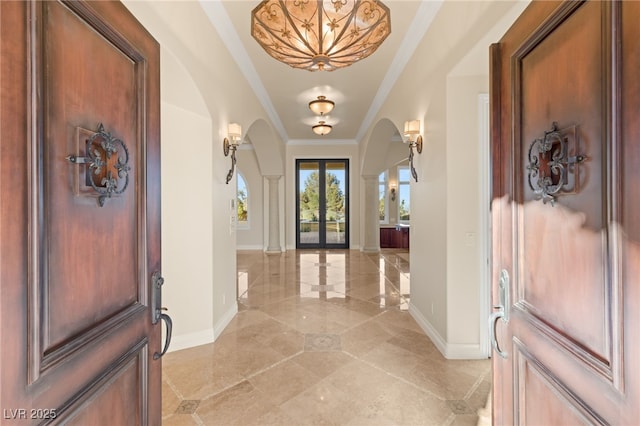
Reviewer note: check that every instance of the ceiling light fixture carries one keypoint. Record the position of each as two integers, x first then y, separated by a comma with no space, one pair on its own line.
322,128
322,105
319,35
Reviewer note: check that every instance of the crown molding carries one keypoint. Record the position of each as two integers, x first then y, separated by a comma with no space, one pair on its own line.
322,142
418,28
219,17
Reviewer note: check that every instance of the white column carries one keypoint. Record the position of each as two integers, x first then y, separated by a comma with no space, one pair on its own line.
371,217
274,217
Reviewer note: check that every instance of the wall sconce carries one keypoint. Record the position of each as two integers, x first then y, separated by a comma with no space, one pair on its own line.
414,139
393,191
231,144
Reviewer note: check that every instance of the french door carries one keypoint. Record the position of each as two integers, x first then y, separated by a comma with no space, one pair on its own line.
322,203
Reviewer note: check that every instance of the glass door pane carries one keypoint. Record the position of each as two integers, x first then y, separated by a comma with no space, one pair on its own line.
322,203
335,205
308,184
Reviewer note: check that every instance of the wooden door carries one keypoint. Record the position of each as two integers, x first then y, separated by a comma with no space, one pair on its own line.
566,215
80,215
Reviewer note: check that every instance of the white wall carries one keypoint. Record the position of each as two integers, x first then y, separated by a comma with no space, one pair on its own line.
440,87
252,238
199,99
186,223
463,209
314,150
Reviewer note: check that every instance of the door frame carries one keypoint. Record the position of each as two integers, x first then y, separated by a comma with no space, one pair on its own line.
320,243
484,221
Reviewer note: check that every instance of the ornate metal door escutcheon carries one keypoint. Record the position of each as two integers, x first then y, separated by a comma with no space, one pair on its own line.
551,169
107,159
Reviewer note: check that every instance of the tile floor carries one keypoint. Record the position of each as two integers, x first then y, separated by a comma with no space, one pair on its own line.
322,337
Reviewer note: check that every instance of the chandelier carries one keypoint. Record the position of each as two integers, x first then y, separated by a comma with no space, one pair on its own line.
320,34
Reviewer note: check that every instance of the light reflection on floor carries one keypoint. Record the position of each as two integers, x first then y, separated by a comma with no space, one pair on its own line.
326,275
322,337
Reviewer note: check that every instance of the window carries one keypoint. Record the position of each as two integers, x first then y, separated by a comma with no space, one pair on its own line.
242,203
404,200
383,203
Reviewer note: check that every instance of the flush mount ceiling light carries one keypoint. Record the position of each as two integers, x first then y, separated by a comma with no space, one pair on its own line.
320,34
322,128
322,105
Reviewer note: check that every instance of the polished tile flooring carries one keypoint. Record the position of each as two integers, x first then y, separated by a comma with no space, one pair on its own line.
322,337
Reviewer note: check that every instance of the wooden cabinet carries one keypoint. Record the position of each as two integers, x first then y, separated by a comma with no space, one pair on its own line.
403,235
397,237
386,237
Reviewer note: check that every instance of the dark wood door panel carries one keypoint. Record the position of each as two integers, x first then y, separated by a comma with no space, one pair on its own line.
562,240
630,120
76,276
566,56
118,395
542,399
565,98
107,278
100,276
628,225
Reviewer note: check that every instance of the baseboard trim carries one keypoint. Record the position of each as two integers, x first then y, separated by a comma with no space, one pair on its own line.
464,351
190,340
448,350
370,250
224,321
429,330
203,337
249,247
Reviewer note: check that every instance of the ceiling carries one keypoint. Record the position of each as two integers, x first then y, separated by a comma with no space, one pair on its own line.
358,90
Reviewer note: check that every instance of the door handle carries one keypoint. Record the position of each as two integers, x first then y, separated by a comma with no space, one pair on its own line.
501,313
167,320
493,320
156,311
